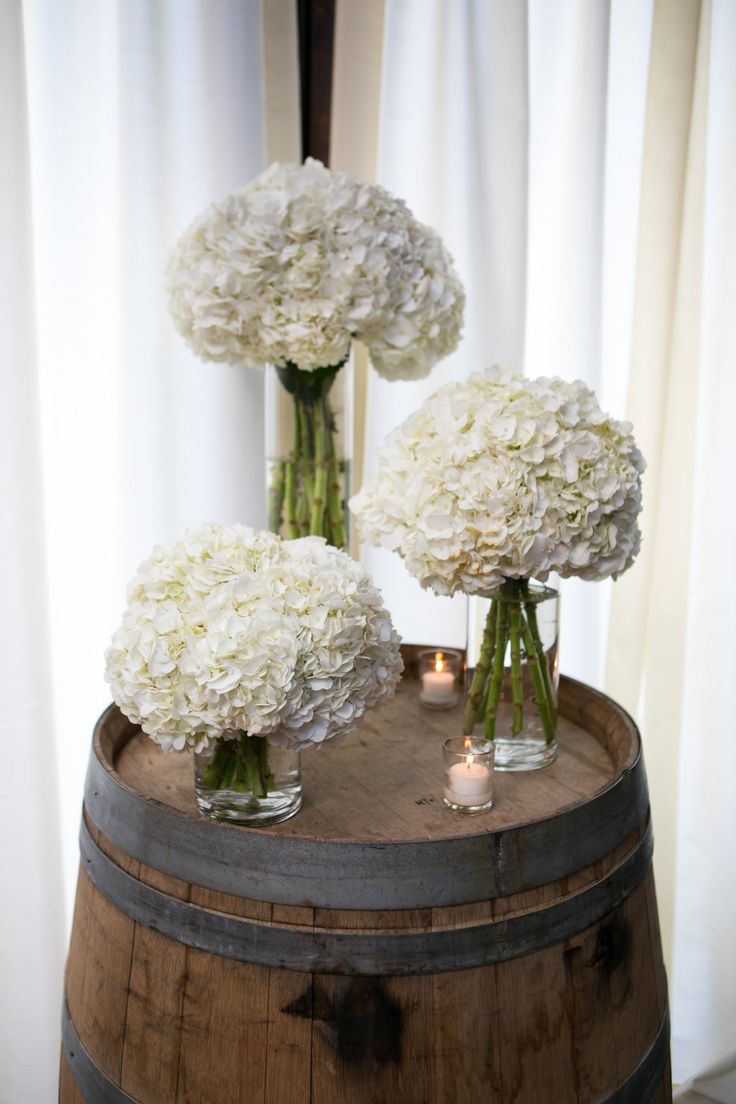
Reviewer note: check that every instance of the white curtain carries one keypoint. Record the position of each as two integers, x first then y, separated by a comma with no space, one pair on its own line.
704,978
525,124
578,159
31,927
119,122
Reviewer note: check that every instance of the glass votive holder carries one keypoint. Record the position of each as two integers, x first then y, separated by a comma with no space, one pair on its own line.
439,677
468,774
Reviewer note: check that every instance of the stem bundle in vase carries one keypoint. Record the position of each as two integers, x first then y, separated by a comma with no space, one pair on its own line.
511,620
241,765
306,495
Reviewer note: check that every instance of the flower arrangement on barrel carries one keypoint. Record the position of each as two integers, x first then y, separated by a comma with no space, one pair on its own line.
246,649
288,271
491,487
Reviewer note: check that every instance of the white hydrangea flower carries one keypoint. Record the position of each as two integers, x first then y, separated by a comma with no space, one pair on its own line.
232,630
299,262
510,478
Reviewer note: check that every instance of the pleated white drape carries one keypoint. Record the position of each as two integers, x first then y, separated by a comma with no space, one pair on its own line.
577,158
119,122
32,932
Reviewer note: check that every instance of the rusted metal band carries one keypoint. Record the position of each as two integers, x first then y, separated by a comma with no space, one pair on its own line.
94,1085
265,866
345,952
97,1088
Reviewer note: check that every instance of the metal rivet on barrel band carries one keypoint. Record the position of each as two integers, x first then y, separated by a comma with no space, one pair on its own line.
97,1088
325,951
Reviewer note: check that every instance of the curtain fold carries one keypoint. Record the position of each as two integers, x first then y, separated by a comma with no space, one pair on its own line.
31,927
648,630
704,974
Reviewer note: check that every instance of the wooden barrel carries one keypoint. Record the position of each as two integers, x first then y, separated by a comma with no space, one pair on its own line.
377,948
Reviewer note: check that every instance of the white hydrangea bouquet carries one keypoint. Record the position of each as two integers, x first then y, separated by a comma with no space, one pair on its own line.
494,482
288,271
235,643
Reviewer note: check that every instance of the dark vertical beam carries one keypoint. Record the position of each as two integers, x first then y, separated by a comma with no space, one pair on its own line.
316,39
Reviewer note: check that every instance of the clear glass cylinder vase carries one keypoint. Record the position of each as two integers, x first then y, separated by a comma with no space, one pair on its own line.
513,673
248,781
309,431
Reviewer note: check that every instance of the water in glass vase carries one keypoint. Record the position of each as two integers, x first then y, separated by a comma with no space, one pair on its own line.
308,449
248,781
513,673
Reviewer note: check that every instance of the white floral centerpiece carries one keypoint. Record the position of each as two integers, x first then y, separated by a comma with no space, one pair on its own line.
494,482
289,270
235,642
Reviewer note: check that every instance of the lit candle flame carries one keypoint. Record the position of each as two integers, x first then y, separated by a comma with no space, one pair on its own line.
439,663
468,743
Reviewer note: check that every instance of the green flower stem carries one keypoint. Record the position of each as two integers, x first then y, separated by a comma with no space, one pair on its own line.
253,759
229,775
549,691
218,765
335,511
482,670
292,525
517,689
540,690
321,464
267,777
496,682
276,495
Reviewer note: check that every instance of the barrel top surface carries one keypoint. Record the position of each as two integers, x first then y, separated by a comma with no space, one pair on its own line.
383,783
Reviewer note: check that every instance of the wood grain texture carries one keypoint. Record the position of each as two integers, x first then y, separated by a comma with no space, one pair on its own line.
569,1023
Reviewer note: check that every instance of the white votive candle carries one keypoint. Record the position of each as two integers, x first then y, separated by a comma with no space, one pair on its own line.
469,783
438,686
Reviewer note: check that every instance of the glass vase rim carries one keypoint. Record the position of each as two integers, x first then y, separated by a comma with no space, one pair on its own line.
440,650
537,592
457,745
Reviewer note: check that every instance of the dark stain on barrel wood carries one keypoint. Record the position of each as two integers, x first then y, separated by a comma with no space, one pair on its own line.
364,1023
302,1006
613,945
